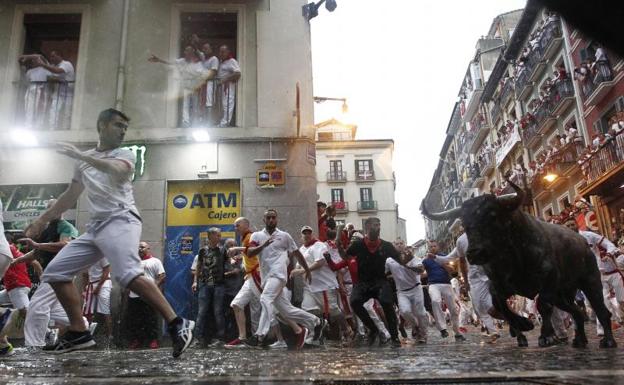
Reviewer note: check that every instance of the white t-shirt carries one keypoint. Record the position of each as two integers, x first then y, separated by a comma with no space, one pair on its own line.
211,64
593,239
274,258
96,270
323,278
404,278
475,272
192,74
227,68
152,267
107,195
336,258
69,75
4,244
38,74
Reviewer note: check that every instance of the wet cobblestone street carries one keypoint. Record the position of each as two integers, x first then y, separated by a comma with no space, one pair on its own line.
441,361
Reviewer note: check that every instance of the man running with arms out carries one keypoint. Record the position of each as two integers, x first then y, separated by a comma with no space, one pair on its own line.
273,247
371,254
114,232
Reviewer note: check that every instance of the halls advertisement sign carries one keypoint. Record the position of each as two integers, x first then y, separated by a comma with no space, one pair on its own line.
26,202
192,208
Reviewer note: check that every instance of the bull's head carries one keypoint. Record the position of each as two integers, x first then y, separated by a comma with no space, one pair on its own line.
483,218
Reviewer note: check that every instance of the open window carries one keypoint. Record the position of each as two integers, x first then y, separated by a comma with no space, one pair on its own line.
208,69
48,61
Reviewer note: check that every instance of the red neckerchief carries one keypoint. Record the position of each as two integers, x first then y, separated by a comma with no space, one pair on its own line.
372,246
312,241
148,256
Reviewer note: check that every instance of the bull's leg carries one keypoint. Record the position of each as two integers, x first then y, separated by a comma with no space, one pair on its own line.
547,334
592,289
519,323
517,334
580,339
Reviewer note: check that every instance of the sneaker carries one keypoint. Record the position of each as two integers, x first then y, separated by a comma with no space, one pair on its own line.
251,342
153,344
301,337
7,351
278,345
444,333
134,344
51,337
5,317
421,341
318,331
236,344
92,327
493,338
403,332
181,333
383,340
71,341
372,336
459,337
395,343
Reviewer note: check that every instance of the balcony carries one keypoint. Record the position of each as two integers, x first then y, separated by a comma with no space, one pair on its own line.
507,91
604,160
336,177
551,39
544,117
506,148
495,112
523,85
530,130
341,207
366,206
364,176
516,179
473,100
480,128
597,85
486,163
535,63
562,96
47,105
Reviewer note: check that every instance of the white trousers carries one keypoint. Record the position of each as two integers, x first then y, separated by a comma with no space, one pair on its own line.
5,263
439,292
17,296
482,303
249,295
412,308
228,101
44,305
273,299
369,306
616,283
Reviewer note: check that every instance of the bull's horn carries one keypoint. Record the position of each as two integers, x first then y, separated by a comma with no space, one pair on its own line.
443,216
512,201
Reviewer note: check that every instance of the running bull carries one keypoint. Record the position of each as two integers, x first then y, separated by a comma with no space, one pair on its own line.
525,256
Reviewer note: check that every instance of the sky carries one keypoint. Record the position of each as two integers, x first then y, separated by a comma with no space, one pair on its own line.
400,64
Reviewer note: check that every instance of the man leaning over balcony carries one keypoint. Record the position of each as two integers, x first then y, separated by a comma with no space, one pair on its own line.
227,76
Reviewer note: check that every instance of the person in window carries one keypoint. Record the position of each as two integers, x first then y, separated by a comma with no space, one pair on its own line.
61,84
192,76
601,64
35,97
211,66
228,75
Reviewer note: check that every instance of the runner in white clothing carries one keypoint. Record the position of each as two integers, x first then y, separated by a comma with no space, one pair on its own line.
6,349
273,246
97,294
113,232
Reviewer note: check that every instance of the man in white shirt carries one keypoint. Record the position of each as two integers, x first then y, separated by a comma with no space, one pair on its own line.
97,294
410,295
113,232
62,90
609,261
35,97
320,296
211,66
273,247
228,75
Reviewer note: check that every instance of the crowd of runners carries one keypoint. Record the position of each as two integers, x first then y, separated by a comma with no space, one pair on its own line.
358,289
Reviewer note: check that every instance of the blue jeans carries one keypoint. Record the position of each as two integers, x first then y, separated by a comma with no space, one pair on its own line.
210,299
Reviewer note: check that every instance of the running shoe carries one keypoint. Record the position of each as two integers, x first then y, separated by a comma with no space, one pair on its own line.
301,337
318,331
395,343
92,327
252,341
403,331
51,337
444,333
278,345
7,351
134,344
383,340
71,341
459,337
372,336
493,338
421,340
153,344
181,332
236,344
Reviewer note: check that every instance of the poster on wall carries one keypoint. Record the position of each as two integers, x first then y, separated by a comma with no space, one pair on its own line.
24,203
192,208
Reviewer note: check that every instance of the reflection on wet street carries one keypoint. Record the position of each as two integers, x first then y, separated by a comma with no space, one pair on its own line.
441,361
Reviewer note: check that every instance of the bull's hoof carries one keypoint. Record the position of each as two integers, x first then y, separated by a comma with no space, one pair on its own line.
545,341
524,324
522,341
579,342
512,333
608,343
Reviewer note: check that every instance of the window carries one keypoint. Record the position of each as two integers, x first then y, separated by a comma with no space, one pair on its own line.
366,194
337,195
47,96
564,202
335,168
207,103
364,169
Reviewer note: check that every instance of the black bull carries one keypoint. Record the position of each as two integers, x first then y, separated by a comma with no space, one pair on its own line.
524,256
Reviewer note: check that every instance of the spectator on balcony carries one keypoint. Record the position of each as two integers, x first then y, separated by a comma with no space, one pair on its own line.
35,97
600,66
192,76
560,73
571,133
228,75
211,65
